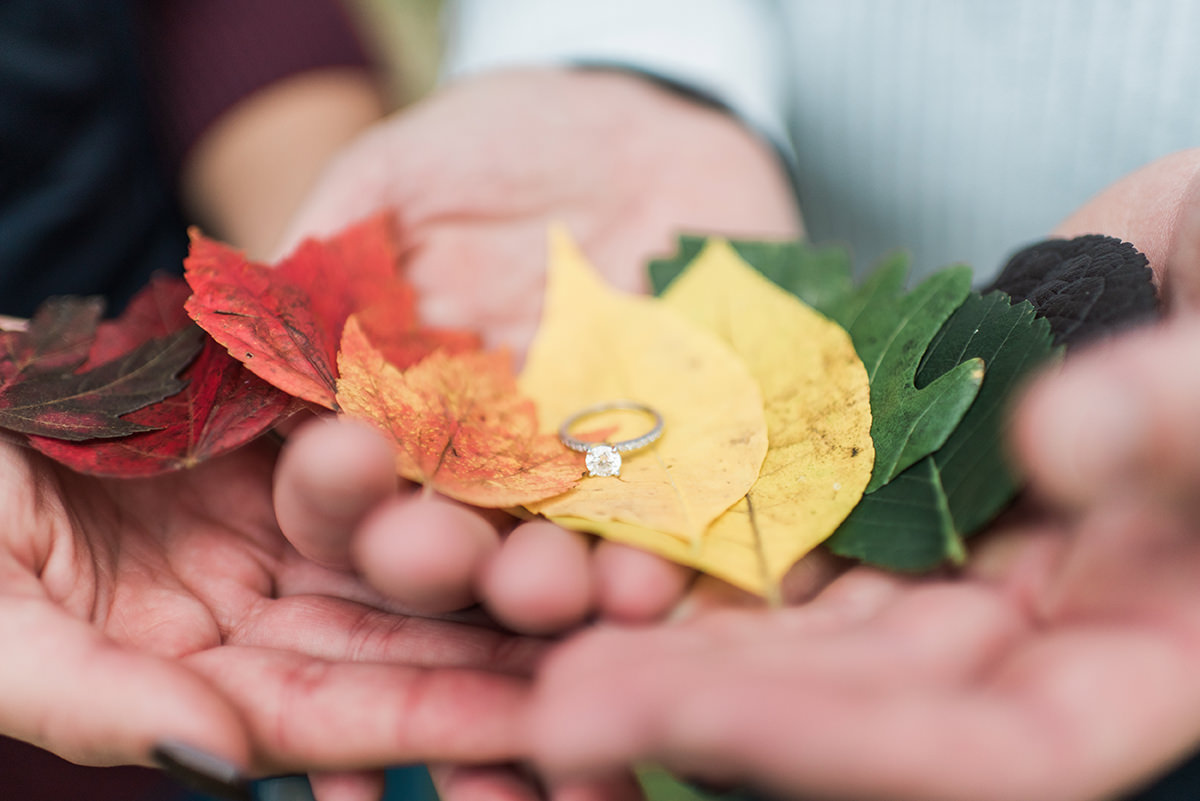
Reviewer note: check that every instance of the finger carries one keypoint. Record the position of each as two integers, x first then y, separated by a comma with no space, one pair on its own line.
1120,418
807,578
633,586
619,785
726,715
426,553
72,691
330,628
539,582
485,783
1142,208
1182,283
365,785
330,475
311,714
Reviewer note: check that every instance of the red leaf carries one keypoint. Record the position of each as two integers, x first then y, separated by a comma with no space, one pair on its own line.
43,393
285,322
223,406
57,338
402,343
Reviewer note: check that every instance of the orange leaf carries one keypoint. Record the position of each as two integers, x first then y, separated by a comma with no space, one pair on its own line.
460,425
285,322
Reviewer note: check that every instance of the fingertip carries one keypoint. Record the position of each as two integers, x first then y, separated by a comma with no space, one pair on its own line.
539,582
331,473
366,785
594,710
484,783
634,586
1076,431
424,552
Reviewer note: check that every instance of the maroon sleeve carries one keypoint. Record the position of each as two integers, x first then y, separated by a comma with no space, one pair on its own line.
203,56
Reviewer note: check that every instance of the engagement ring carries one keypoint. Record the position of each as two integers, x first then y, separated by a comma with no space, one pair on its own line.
604,458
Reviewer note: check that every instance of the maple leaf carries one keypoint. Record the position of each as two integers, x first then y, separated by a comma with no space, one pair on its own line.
459,423
58,337
43,393
223,406
285,322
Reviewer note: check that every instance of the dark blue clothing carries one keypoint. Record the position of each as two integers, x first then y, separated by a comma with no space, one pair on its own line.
85,207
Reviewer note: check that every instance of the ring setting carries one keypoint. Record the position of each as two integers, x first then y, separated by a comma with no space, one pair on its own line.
604,458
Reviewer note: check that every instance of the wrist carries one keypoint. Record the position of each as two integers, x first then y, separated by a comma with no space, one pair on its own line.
250,169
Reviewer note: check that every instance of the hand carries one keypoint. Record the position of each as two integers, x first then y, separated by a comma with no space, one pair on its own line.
135,613
474,176
1060,664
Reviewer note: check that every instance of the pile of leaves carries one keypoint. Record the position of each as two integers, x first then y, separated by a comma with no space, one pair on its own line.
800,407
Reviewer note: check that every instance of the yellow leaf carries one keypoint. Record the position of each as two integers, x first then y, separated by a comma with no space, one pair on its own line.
596,345
817,404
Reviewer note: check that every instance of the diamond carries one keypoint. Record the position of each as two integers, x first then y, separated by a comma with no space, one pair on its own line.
603,460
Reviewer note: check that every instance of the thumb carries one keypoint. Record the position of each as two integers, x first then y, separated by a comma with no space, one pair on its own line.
66,688
1143,208
1182,281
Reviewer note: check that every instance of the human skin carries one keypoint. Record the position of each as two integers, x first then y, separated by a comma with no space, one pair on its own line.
138,611
473,177
1070,619
248,172
128,628
586,148
1058,665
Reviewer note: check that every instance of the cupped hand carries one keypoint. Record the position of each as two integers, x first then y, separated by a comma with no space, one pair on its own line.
140,613
1059,665
473,177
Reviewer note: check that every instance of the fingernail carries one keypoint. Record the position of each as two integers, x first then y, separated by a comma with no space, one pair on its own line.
201,771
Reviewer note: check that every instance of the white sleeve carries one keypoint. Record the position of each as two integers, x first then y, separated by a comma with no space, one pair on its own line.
729,50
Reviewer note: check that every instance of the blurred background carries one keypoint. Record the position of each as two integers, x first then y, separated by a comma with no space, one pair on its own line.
405,37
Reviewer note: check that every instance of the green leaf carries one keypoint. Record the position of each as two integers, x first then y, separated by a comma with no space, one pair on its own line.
891,330
905,525
659,785
919,519
891,333
975,470
821,277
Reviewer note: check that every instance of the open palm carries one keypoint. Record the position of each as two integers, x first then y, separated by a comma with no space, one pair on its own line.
1062,666
139,612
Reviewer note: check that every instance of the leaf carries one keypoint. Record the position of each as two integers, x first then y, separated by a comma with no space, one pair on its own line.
1087,287
918,520
285,322
597,345
223,406
391,326
459,423
891,332
42,394
905,525
820,277
816,403
890,329
58,337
